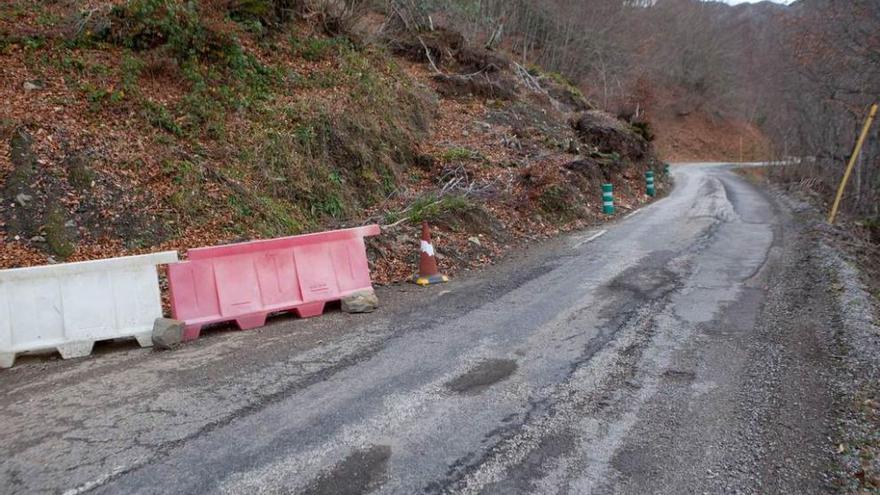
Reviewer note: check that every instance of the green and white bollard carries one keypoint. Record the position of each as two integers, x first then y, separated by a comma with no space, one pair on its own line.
667,170
649,179
608,199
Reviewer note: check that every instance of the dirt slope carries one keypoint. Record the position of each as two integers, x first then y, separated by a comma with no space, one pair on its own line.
142,125
702,137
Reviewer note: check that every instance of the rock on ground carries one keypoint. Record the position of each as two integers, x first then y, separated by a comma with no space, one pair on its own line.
360,302
167,333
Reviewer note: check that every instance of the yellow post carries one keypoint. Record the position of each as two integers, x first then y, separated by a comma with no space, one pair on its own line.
852,163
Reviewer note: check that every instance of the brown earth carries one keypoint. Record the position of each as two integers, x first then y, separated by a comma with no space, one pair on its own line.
137,126
699,136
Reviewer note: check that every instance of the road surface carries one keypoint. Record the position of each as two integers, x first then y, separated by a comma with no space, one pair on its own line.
685,350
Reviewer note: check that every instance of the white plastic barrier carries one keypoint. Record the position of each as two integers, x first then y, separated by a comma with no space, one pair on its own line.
70,306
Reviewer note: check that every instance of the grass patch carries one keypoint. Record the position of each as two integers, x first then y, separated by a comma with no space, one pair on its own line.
131,69
98,96
459,154
280,218
557,201
430,207
287,167
317,49
222,77
189,199
160,117
290,160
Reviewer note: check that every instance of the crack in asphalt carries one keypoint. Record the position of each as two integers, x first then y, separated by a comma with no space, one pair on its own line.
408,323
596,344
547,377
632,310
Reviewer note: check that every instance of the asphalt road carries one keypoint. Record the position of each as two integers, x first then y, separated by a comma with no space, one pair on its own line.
683,351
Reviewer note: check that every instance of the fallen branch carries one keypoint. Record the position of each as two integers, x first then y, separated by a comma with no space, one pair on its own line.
530,81
428,54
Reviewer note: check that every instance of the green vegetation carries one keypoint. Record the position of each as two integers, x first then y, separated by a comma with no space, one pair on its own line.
557,201
243,130
643,128
558,78
131,69
222,77
56,235
23,159
458,154
316,49
97,96
177,26
160,117
607,158
430,208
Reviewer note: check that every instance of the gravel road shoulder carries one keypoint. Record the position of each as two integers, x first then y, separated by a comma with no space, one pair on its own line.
853,342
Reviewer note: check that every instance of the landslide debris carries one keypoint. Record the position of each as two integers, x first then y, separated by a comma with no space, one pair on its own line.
169,125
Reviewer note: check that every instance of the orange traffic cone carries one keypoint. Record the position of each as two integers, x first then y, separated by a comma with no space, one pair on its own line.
429,274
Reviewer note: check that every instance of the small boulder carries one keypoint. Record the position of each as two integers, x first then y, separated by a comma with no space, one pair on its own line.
23,199
360,302
167,333
33,85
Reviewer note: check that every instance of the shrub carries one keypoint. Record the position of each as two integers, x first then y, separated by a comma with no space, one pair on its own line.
147,24
458,154
315,49
643,128
557,200
265,12
430,207
160,117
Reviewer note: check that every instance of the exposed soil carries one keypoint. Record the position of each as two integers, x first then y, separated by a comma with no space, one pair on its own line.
699,136
120,138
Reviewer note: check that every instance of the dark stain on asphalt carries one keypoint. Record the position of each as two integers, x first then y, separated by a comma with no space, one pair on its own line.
482,376
644,283
632,461
359,473
521,478
679,376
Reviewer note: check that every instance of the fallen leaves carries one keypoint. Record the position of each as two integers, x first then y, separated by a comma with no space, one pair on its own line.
497,142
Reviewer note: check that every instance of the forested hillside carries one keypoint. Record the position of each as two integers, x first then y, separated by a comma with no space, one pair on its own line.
711,80
132,125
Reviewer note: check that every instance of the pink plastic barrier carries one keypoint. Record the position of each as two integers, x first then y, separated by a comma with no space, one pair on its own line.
246,282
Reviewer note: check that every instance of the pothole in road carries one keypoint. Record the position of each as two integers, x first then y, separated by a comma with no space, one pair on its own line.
359,473
644,283
679,375
483,376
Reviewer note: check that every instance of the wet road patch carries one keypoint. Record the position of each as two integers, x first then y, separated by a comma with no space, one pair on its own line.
359,473
483,376
679,376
